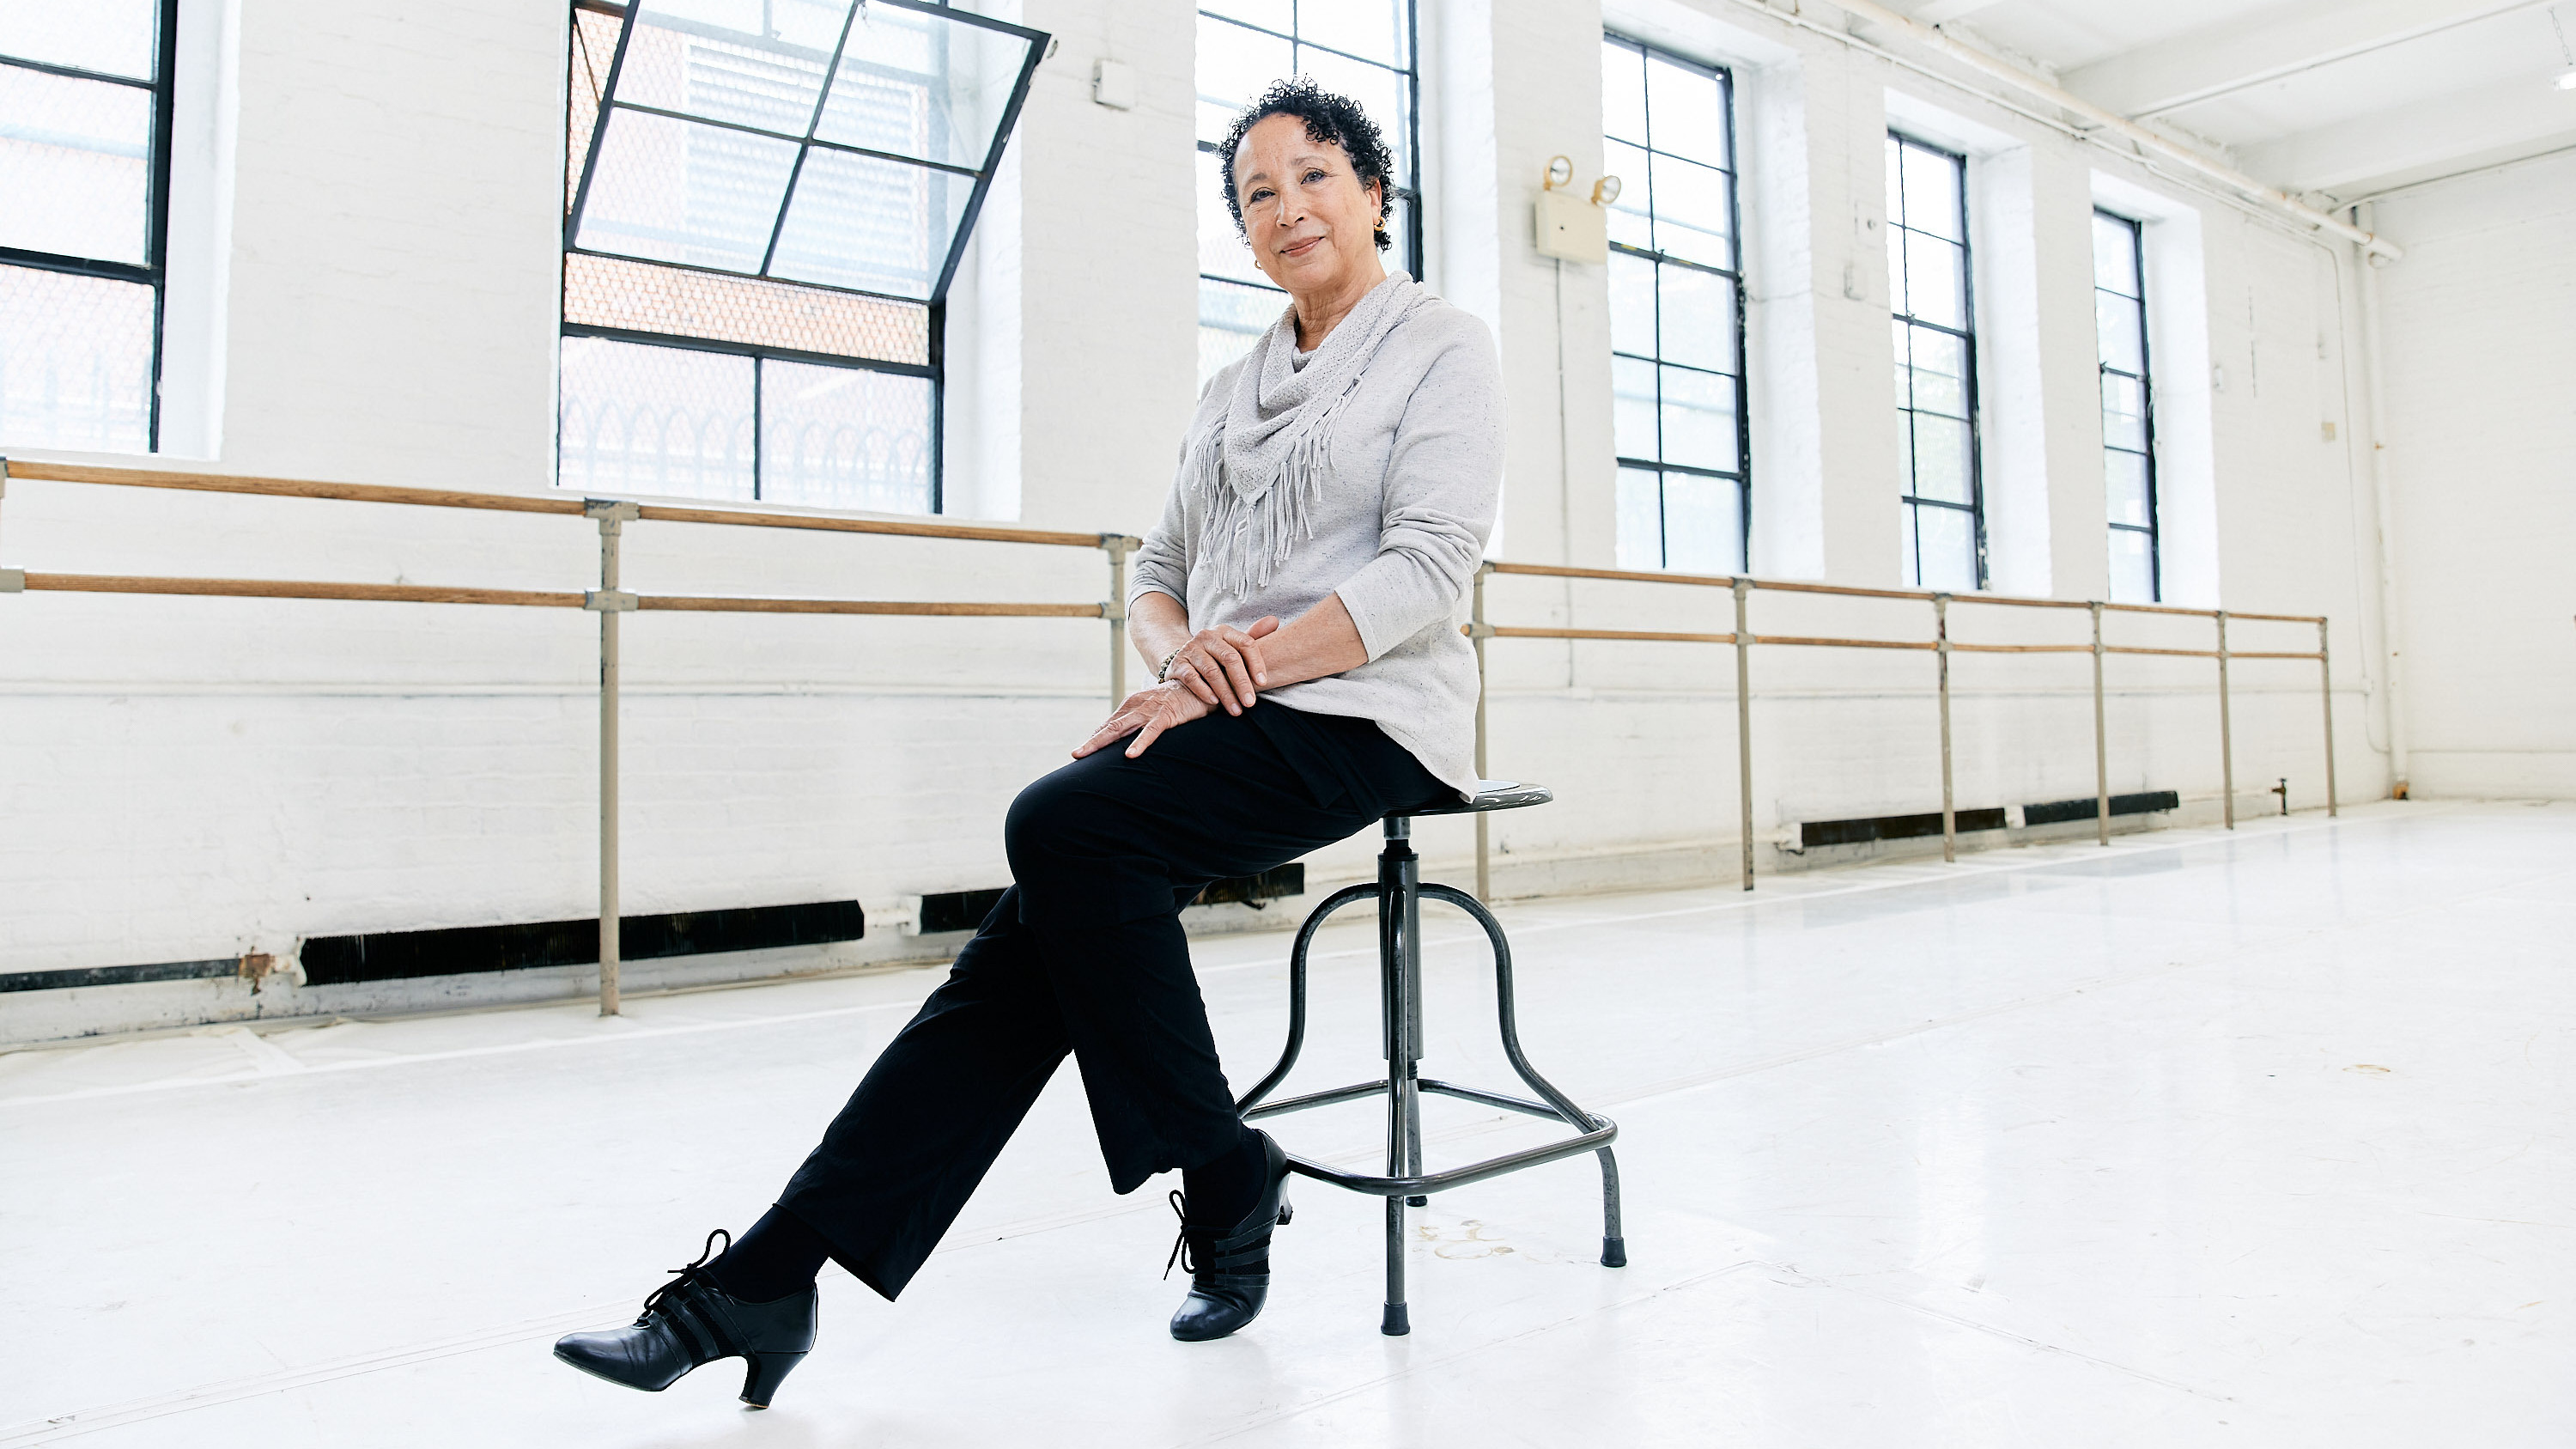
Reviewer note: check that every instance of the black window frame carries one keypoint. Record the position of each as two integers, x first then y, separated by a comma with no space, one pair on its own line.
935,307
1975,507
1743,475
154,272
1411,70
2145,379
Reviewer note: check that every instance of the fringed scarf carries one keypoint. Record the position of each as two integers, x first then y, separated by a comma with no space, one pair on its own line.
1259,463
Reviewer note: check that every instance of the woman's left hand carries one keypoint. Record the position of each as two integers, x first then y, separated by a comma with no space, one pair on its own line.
1146,714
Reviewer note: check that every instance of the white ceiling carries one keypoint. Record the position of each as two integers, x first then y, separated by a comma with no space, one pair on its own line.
2336,98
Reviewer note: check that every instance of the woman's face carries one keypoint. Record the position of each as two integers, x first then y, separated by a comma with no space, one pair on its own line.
1309,221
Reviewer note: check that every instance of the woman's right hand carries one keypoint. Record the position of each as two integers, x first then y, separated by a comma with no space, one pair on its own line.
1146,714
1223,666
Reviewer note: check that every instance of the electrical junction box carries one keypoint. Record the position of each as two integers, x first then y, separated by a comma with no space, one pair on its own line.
1113,84
1572,229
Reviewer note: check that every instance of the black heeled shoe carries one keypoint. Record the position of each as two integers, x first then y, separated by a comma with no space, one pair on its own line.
690,1321
1223,1299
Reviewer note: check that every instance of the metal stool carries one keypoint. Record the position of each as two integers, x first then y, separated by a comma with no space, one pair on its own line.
1399,892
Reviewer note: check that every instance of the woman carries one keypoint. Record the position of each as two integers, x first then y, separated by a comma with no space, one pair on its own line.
1342,478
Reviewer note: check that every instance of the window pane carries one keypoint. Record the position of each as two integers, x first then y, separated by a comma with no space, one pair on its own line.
1895,184
1632,408
920,85
1279,15
1631,216
1932,280
879,226
655,420
642,297
2124,481
1380,93
1399,229
113,37
1702,517
2115,255
1687,110
749,64
1234,65
1221,249
2133,574
1231,319
1901,348
1371,28
1946,545
1932,194
1698,318
1699,419
2124,422
1691,217
1896,298
1940,372
2115,321
1623,96
1641,519
75,362
73,173
1632,304
843,437
678,191
1941,460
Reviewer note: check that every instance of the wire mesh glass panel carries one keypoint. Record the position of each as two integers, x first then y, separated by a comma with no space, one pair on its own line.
1641,518
683,191
844,437
1701,523
75,361
917,85
1231,318
594,48
75,175
112,37
641,297
665,420
870,224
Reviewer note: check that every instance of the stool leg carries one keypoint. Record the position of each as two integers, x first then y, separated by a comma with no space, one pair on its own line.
1614,1247
1398,912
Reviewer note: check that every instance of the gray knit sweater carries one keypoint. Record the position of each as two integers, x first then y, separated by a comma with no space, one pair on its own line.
1416,465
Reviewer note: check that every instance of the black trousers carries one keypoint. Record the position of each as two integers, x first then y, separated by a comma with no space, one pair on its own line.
1085,954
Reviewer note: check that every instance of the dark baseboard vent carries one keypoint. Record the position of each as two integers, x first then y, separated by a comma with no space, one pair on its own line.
2056,811
118,975
461,950
957,910
1258,890
1813,833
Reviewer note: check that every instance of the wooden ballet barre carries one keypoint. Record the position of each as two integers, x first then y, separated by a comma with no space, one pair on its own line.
301,589
1638,635
905,607
656,512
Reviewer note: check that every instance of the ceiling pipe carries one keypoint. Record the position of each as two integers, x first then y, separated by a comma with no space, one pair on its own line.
2094,117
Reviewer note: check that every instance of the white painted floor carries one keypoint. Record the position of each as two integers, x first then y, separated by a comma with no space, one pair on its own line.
2257,1140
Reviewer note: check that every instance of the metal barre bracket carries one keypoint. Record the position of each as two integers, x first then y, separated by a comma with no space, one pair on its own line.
13,581
610,601
611,510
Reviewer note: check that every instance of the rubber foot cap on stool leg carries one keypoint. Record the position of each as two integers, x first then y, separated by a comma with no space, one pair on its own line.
1397,1323
1417,1202
1614,1252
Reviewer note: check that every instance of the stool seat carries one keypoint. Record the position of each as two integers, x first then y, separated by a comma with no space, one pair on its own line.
1490,795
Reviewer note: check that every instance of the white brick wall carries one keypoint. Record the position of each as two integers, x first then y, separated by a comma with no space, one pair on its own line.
188,779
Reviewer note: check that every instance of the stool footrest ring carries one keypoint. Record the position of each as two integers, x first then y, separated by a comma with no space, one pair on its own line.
1600,1132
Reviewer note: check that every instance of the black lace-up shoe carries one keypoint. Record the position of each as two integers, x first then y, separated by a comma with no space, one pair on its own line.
690,1321
1224,1293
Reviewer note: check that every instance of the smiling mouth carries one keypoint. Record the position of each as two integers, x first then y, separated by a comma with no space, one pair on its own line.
1299,249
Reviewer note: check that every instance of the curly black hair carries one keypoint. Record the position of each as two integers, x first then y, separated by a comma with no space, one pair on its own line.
1328,117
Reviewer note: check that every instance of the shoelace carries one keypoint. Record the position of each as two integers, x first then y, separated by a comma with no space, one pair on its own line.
690,1274
1180,1241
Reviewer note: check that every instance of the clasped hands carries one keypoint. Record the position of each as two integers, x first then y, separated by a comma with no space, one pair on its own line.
1220,667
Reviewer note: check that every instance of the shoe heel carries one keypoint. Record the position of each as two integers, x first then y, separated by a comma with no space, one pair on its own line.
765,1372
1287,1210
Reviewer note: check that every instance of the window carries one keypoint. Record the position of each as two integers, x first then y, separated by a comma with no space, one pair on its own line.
1676,312
1936,365
1362,49
2128,414
85,95
765,201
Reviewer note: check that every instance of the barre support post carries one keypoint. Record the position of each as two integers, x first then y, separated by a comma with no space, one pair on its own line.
1744,735
608,602
1949,804
2101,746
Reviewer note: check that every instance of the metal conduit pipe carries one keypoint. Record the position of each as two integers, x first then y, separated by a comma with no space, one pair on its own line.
2095,118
